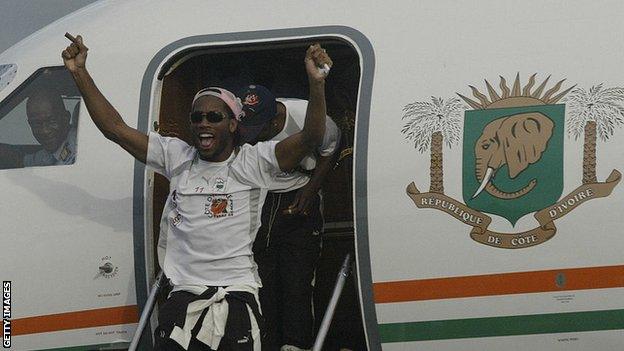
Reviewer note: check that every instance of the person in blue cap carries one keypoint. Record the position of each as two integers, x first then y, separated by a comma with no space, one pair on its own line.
288,243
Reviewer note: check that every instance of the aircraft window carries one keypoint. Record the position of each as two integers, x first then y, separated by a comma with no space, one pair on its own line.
39,120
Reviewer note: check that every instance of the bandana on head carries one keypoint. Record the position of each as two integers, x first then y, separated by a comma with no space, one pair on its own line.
226,96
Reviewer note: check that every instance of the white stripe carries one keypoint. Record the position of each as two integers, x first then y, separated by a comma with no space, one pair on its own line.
255,330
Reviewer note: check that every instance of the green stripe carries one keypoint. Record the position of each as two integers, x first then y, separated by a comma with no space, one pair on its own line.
502,326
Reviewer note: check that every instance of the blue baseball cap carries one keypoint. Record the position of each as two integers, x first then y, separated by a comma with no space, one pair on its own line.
259,107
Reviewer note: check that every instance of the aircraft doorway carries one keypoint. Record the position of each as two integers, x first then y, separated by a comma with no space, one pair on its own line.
279,67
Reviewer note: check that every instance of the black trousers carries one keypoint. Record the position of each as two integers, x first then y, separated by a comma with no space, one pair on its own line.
286,250
237,330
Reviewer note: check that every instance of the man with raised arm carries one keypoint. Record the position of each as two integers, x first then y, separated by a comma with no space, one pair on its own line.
288,243
215,199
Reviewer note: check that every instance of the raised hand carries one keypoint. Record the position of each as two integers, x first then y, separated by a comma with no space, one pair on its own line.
315,60
75,55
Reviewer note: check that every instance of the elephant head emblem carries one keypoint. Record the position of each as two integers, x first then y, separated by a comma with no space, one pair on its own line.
518,141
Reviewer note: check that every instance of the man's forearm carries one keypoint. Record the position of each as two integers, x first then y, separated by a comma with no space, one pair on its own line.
323,166
291,150
103,114
314,125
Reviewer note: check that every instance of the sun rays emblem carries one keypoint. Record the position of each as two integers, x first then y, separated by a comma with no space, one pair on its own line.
515,97
512,162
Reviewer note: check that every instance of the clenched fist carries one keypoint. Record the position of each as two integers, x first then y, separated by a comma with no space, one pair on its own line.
75,55
315,60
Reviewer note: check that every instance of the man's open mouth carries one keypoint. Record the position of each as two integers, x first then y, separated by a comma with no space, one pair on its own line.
206,140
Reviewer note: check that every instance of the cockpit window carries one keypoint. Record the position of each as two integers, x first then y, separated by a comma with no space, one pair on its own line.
39,121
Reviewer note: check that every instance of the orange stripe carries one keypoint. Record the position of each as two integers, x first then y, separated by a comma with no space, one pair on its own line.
499,284
75,320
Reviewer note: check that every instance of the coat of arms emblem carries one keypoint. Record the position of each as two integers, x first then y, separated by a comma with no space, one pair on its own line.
513,153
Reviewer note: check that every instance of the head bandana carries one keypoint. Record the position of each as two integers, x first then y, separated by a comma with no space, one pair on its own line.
226,96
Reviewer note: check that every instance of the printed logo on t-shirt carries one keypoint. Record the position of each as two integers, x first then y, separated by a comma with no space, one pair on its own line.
219,184
174,199
218,205
176,219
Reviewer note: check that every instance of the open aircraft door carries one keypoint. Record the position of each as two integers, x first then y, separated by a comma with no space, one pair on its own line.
273,59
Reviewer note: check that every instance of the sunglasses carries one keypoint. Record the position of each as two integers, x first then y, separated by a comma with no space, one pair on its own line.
211,116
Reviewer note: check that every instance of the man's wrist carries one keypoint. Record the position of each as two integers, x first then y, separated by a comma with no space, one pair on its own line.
313,185
79,72
317,83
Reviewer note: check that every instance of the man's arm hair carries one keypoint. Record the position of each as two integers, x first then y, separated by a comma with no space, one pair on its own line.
290,151
103,114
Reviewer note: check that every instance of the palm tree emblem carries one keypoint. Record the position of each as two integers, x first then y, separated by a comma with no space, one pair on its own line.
429,125
594,113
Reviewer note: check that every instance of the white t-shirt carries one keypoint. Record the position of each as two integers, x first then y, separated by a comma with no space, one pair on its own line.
213,210
295,120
